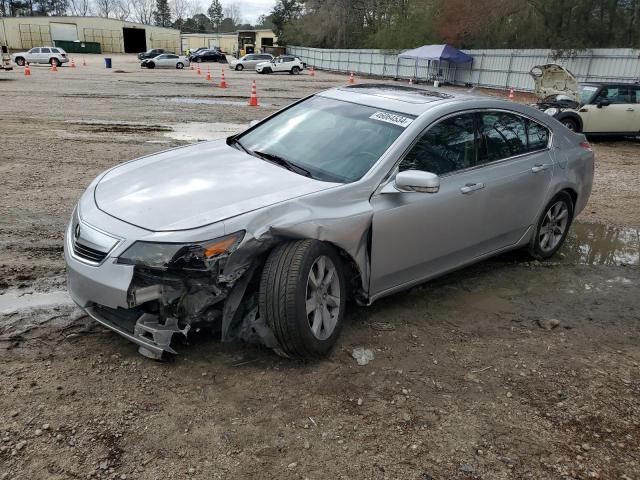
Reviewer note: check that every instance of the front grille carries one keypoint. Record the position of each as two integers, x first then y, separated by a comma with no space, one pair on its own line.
88,253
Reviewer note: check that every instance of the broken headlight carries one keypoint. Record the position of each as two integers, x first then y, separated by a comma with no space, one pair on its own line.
183,256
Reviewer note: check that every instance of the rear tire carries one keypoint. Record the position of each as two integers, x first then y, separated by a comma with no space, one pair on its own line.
20,61
239,68
54,61
179,65
295,70
302,298
552,227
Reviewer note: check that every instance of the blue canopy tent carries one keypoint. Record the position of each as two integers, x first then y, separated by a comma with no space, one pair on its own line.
435,53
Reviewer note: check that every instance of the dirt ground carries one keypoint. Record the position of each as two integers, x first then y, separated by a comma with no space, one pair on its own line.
509,369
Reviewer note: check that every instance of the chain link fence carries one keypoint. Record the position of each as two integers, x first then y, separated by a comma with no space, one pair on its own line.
500,69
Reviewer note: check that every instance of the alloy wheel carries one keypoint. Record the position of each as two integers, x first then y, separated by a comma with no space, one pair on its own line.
323,298
553,226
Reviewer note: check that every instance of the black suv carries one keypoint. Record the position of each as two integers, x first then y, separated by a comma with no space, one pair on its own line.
153,53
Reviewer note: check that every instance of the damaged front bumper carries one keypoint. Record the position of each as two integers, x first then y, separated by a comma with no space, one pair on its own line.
150,307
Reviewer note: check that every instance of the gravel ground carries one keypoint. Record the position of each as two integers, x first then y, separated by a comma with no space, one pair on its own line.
509,369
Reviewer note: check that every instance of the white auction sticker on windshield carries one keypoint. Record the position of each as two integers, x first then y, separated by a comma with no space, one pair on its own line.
393,118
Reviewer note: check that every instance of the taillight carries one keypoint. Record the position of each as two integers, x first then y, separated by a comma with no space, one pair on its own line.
586,146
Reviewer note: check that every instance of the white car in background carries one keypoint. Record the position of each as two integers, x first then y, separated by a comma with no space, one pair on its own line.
249,62
592,108
47,55
166,60
283,63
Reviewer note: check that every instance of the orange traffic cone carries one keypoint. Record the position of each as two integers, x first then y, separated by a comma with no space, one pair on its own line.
27,70
253,101
223,82
73,63
54,67
312,72
511,94
208,73
199,71
352,79
84,62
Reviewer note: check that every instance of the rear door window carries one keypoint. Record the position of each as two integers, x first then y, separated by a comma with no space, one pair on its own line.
34,50
446,147
537,136
501,135
45,50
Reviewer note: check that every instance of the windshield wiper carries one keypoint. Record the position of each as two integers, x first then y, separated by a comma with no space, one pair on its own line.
283,162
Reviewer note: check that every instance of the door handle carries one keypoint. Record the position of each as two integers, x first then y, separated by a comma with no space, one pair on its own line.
540,167
471,187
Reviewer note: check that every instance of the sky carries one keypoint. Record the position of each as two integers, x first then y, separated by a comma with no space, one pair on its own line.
251,9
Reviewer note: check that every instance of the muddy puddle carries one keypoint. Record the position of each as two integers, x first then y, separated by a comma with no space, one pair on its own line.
595,244
198,131
16,301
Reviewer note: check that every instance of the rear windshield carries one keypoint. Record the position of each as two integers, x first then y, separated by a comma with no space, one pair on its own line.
333,140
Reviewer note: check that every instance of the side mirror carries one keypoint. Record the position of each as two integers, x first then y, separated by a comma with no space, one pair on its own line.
603,103
417,181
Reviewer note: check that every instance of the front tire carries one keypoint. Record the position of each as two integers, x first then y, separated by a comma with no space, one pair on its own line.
151,65
553,227
571,123
295,70
20,61
179,65
303,297
54,61
239,68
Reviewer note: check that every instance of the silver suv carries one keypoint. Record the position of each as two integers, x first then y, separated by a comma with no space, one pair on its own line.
50,55
250,61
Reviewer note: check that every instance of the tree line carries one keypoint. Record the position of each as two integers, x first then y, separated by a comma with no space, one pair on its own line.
189,16
397,24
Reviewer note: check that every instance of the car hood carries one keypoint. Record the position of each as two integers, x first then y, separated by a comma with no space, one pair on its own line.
552,79
194,186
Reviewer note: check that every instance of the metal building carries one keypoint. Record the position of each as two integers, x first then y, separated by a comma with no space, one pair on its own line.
113,35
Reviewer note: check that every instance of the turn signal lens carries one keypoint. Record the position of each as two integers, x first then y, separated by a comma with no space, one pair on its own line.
219,247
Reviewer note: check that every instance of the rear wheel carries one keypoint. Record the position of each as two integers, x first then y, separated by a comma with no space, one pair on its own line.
198,60
20,61
179,65
553,227
303,297
295,70
54,61
239,68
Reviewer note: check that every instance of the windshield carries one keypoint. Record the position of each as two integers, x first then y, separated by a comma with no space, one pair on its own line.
586,92
332,140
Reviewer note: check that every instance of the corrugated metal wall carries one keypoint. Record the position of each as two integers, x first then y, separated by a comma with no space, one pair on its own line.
490,68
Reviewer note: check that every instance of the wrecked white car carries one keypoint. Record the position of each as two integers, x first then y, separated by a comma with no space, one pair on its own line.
353,193
591,108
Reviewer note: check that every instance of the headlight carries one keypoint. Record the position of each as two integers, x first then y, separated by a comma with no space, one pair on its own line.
551,111
183,256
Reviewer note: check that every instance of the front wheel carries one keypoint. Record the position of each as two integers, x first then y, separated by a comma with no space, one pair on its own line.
295,70
239,68
151,65
179,65
571,124
54,61
302,297
20,61
553,227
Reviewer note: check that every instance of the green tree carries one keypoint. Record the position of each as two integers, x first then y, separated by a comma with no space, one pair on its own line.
162,14
285,12
215,13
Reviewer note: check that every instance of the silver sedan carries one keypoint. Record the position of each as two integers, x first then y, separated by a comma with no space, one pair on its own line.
166,60
356,192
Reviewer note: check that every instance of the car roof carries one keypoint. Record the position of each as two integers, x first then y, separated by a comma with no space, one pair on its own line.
609,84
399,98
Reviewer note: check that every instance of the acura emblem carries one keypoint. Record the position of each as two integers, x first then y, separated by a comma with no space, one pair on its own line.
77,231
